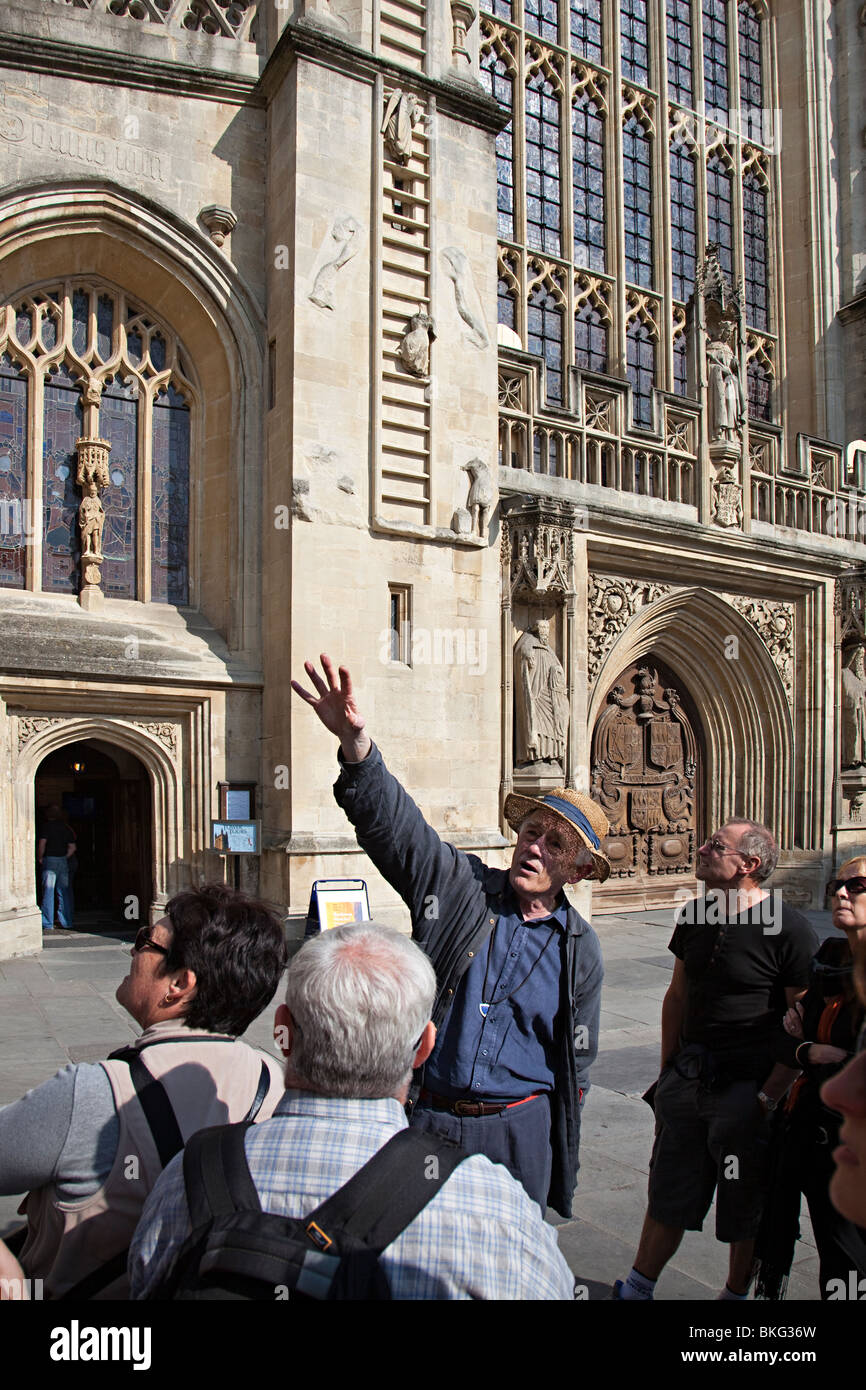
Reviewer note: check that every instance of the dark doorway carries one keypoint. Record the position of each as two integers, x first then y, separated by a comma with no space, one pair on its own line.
104,792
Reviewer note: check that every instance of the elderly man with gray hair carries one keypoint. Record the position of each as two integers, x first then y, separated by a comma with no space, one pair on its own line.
355,1024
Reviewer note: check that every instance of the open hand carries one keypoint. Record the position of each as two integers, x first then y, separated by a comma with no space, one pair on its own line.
336,708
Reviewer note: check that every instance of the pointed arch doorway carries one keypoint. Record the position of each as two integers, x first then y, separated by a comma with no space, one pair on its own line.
648,760
105,795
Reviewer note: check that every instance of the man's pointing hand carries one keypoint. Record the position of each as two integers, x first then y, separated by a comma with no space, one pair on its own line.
336,708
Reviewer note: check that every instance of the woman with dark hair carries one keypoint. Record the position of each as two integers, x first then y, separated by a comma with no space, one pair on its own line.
821,1034
90,1143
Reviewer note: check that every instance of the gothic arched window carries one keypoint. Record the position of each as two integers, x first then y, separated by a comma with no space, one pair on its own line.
109,420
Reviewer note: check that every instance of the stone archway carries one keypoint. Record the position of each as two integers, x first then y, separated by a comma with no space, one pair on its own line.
105,793
153,746
739,699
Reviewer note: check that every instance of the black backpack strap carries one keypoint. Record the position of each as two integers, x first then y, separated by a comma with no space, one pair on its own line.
155,1103
259,1097
98,1279
217,1176
386,1195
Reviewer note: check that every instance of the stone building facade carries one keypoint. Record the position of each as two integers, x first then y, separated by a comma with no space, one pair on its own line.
513,356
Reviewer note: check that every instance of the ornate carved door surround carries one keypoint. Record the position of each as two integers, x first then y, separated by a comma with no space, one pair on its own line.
646,766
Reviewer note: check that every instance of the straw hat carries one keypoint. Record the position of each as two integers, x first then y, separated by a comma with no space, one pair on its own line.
579,812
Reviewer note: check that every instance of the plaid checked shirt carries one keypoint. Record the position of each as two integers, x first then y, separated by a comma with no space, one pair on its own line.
479,1238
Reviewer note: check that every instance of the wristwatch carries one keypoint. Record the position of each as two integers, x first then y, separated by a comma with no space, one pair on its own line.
768,1100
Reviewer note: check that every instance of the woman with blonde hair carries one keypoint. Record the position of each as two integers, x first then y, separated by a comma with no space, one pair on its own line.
821,1035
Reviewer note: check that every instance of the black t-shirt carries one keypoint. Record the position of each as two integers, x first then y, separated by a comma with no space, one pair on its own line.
57,836
737,968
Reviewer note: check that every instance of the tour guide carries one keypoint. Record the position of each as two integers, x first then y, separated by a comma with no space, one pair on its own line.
518,971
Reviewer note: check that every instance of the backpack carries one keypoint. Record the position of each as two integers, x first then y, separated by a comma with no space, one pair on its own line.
238,1251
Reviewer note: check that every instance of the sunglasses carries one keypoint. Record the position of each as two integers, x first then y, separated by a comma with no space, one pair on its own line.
853,886
143,942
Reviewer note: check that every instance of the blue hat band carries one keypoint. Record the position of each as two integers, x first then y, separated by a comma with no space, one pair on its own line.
571,813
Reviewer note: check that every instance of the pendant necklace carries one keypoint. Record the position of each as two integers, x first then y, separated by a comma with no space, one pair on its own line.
485,1006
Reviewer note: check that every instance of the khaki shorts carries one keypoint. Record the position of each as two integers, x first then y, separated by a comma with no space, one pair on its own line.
708,1140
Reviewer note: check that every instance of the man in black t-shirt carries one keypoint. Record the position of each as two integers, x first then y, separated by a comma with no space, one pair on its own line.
55,845
742,958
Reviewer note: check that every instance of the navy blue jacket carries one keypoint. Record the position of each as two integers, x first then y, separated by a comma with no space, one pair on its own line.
454,900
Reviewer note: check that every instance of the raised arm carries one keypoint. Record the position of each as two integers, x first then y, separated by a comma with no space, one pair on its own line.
436,881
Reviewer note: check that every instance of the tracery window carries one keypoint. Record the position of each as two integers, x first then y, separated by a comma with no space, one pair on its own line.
99,368
638,195
679,45
634,41
680,111
587,29
587,164
716,60
755,251
720,211
544,325
684,227
497,78
543,173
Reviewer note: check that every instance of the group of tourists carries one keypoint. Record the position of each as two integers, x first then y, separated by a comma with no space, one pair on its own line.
428,1110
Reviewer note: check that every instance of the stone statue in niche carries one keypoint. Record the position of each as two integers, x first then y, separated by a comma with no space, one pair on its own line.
414,349
345,234
540,699
480,494
403,111
854,711
466,297
91,520
727,400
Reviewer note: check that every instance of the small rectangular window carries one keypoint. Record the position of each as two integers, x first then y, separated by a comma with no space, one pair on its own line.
400,624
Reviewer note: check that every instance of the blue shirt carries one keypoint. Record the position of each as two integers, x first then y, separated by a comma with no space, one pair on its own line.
505,1050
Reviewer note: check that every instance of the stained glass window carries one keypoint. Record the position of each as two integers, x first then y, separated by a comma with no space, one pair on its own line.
720,212
590,339
170,499
541,19
118,423
544,324
756,249
679,35
634,41
641,364
505,304
104,325
684,240
587,164
543,177
80,320
15,517
62,427
760,385
716,60
499,83
751,84
501,8
587,31
637,199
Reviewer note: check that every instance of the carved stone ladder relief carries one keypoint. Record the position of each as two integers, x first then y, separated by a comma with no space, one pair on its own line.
646,776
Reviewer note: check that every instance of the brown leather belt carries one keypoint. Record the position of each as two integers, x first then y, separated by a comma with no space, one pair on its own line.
474,1107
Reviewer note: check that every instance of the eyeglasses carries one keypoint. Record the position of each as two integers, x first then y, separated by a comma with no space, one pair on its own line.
853,886
143,942
719,847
